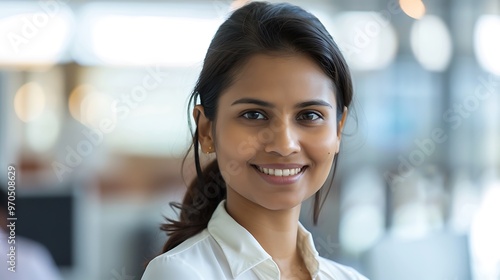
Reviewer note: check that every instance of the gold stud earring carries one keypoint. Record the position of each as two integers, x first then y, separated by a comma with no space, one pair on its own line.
209,150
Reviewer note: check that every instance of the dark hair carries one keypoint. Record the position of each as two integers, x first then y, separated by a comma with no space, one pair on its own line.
256,28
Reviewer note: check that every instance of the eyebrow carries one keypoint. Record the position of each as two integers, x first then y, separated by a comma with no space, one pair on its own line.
315,102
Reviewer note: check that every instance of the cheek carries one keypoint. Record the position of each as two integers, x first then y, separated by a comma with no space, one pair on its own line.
234,149
322,150
232,141
322,155
237,140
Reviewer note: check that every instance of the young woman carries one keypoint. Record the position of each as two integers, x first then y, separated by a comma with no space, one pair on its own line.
274,92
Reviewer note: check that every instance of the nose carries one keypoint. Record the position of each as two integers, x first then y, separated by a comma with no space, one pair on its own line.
283,140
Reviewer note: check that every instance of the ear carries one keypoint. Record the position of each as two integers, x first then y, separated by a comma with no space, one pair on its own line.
204,127
340,127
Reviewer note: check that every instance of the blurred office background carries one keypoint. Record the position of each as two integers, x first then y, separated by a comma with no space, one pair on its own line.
93,101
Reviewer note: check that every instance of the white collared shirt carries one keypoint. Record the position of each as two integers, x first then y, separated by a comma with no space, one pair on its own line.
226,250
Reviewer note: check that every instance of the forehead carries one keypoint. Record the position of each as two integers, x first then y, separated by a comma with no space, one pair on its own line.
281,79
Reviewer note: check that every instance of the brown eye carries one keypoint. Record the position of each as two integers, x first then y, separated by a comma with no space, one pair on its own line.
309,116
254,115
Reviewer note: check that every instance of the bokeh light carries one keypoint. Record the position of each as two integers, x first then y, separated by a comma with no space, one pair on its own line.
29,101
487,42
413,8
367,40
34,38
431,43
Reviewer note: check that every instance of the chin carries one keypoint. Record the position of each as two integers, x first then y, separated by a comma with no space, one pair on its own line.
279,203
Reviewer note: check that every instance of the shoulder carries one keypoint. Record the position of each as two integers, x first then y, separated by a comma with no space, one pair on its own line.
164,267
338,271
180,262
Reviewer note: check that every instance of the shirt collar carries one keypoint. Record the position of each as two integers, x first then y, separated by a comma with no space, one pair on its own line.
308,251
239,244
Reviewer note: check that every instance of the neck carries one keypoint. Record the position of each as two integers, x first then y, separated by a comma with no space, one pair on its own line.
275,230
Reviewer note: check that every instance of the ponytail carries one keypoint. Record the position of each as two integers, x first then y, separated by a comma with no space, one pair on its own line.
200,202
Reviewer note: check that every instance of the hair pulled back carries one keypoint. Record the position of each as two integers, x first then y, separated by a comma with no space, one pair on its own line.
256,28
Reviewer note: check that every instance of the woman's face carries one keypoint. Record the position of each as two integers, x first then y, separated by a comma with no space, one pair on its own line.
276,131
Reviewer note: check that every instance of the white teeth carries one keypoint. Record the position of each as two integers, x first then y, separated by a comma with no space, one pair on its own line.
280,172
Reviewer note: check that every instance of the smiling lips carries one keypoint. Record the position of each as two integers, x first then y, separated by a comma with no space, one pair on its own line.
279,172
